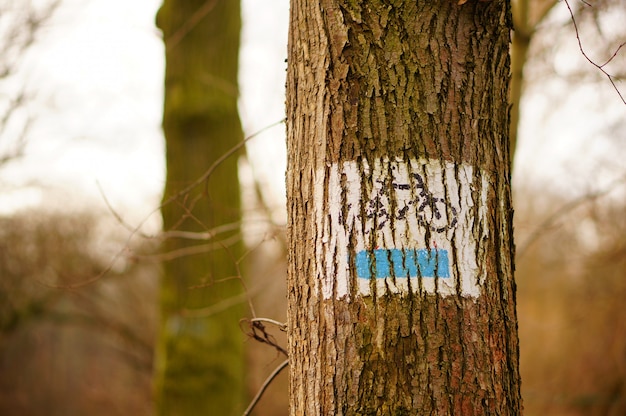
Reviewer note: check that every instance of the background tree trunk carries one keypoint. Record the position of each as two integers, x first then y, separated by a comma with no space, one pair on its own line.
401,291
527,15
200,358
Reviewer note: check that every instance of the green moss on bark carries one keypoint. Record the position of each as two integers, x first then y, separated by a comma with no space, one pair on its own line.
200,357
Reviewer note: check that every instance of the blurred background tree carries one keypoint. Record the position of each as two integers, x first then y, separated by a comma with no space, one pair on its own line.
67,348
200,353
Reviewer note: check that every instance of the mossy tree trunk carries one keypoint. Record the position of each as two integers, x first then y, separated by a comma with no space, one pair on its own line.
200,357
401,292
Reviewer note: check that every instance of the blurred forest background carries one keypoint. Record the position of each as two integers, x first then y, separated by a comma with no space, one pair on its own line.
78,280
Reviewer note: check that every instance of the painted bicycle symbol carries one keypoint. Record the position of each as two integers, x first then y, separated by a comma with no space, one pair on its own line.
433,213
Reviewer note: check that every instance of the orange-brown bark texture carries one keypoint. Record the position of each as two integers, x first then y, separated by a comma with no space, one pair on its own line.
403,80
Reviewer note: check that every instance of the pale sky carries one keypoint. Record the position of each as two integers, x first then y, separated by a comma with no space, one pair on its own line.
98,73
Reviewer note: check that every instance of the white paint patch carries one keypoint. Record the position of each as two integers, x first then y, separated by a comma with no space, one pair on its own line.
399,227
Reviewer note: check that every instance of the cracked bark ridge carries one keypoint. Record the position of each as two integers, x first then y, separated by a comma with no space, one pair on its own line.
400,80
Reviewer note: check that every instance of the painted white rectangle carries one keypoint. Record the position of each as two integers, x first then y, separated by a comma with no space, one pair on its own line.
399,226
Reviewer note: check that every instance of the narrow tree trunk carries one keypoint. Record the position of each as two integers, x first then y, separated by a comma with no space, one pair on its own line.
525,24
401,291
200,356
519,52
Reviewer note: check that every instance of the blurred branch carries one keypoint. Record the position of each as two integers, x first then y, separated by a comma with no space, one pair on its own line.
189,24
220,306
197,249
206,235
118,216
141,361
20,31
549,222
19,28
207,174
266,210
209,234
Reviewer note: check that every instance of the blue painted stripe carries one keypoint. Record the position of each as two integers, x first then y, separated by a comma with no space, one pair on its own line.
402,263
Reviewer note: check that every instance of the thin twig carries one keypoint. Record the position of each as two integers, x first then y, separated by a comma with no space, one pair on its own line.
136,230
118,216
202,235
216,308
265,386
195,249
281,325
258,333
205,176
592,62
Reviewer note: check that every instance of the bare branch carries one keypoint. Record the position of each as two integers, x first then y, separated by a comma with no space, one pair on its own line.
174,198
196,249
281,325
568,207
257,331
216,308
217,163
20,24
591,61
264,387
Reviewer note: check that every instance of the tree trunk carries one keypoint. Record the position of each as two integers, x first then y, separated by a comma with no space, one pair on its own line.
526,18
401,292
200,354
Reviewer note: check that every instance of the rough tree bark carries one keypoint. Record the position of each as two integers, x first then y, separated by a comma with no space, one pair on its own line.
401,292
200,355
